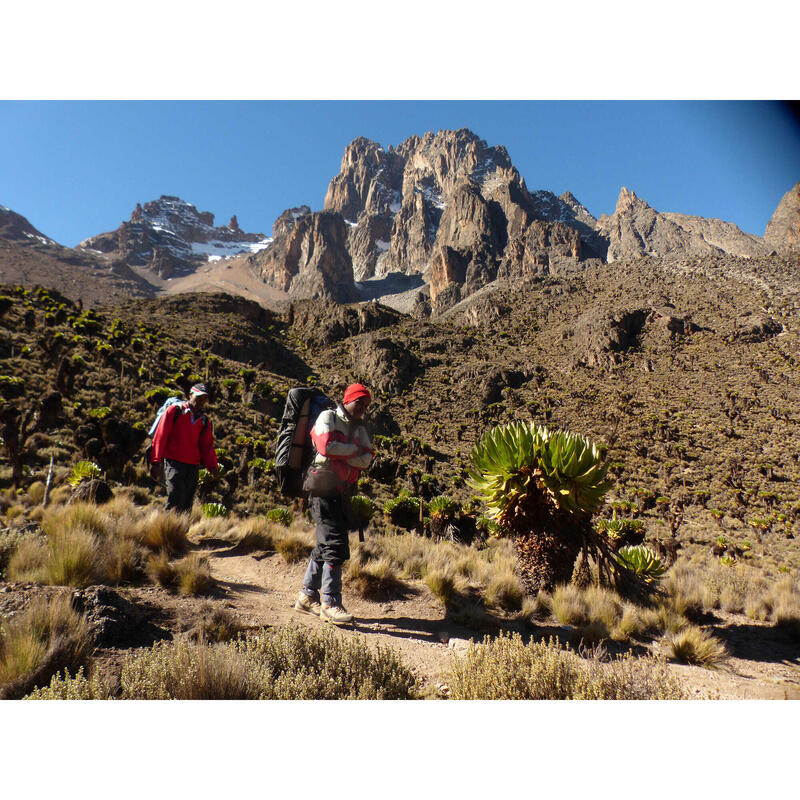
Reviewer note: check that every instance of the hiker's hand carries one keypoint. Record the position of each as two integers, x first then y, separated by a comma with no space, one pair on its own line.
155,470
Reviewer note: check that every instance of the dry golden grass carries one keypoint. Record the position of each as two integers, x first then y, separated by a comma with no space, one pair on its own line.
194,576
216,624
257,533
74,558
569,606
28,562
294,546
442,583
35,644
160,569
163,530
693,645
122,560
504,590
375,580
225,528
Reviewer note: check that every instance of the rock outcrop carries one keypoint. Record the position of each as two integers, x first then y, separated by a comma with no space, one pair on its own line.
783,230
14,227
308,257
635,229
171,237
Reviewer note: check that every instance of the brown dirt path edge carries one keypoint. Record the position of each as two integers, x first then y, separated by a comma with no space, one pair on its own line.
262,589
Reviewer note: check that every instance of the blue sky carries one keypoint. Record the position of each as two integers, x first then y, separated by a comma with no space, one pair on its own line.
78,168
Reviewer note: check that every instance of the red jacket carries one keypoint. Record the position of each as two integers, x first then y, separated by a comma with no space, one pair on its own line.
180,438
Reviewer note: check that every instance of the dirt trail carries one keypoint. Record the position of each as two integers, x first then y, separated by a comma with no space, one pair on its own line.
262,590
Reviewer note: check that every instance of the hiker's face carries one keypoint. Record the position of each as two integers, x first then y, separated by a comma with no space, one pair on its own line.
199,401
357,408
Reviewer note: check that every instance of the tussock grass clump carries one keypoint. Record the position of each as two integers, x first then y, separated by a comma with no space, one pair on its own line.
375,580
35,644
293,547
693,645
84,516
9,542
28,561
214,528
507,669
217,624
161,570
442,583
256,533
569,605
289,663
784,600
74,558
164,530
194,576
538,608
504,590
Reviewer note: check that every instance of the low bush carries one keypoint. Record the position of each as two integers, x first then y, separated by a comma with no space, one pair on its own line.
280,664
507,669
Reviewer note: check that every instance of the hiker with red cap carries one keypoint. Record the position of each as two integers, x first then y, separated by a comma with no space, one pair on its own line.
183,440
344,451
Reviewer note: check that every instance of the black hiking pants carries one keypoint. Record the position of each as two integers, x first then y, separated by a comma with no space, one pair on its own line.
180,481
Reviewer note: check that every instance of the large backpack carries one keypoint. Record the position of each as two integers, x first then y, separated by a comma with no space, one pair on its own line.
294,450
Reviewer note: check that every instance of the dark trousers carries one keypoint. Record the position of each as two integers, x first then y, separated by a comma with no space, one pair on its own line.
180,481
324,571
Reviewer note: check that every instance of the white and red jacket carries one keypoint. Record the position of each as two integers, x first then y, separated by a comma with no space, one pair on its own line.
182,436
342,443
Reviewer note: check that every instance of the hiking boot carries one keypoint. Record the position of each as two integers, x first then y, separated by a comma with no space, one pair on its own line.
335,614
307,605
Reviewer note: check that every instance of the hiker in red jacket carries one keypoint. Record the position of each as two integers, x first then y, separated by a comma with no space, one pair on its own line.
184,440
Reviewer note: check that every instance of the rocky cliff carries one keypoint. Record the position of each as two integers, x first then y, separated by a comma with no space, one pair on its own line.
171,237
308,256
783,230
451,208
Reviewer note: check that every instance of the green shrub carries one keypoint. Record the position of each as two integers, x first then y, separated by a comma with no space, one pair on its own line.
82,471
214,510
280,515
362,509
403,511
100,413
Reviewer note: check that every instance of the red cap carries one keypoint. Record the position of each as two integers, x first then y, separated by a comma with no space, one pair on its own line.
354,391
